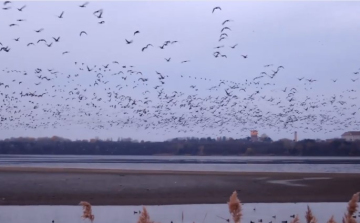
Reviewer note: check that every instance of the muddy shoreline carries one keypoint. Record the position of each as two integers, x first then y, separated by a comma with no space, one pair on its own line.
53,186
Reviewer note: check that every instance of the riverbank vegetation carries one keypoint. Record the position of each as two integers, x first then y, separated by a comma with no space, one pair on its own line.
203,146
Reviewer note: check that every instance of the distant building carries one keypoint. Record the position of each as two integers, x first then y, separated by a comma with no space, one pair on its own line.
295,137
254,135
351,136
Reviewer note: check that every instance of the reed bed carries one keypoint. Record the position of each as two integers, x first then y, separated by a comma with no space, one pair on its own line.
235,210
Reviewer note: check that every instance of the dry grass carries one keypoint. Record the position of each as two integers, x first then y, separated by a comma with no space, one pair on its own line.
87,212
235,207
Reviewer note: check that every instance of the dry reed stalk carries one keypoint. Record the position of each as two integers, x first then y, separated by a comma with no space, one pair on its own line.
87,212
351,209
235,207
313,220
144,217
352,206
331,220
296,219
204,218
309,216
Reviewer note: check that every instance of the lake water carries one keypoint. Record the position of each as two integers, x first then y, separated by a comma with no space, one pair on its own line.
189,163
205,213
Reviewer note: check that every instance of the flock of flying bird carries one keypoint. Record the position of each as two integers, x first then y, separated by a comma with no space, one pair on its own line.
116,95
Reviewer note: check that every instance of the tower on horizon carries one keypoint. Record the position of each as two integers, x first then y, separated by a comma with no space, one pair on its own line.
254,135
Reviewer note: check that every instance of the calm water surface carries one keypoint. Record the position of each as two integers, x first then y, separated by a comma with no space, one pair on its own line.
188,163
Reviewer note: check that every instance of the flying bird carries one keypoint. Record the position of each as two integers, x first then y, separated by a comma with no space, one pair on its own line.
7,2
61,15
56,39
101,22
99,17
30,44
224,34
168,60
65,52
41,40
98,11
128,42
245,56
20,9
225,28
226,21
185,61
215,9
233,46
146,47
83,32
84,5
40,30
17,39
227,93
136,32
11,25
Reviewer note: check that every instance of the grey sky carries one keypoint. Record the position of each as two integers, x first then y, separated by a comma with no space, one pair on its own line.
315,40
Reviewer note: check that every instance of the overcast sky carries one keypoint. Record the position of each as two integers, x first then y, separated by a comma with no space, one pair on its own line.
314,40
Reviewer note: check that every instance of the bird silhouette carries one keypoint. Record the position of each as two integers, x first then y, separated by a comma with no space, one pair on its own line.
215,9
40,30
83,32
61,15
144,48
222,30
84,5
226,21
41,40
20,9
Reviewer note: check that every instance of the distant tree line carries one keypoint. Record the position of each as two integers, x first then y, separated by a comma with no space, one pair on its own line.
188,146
